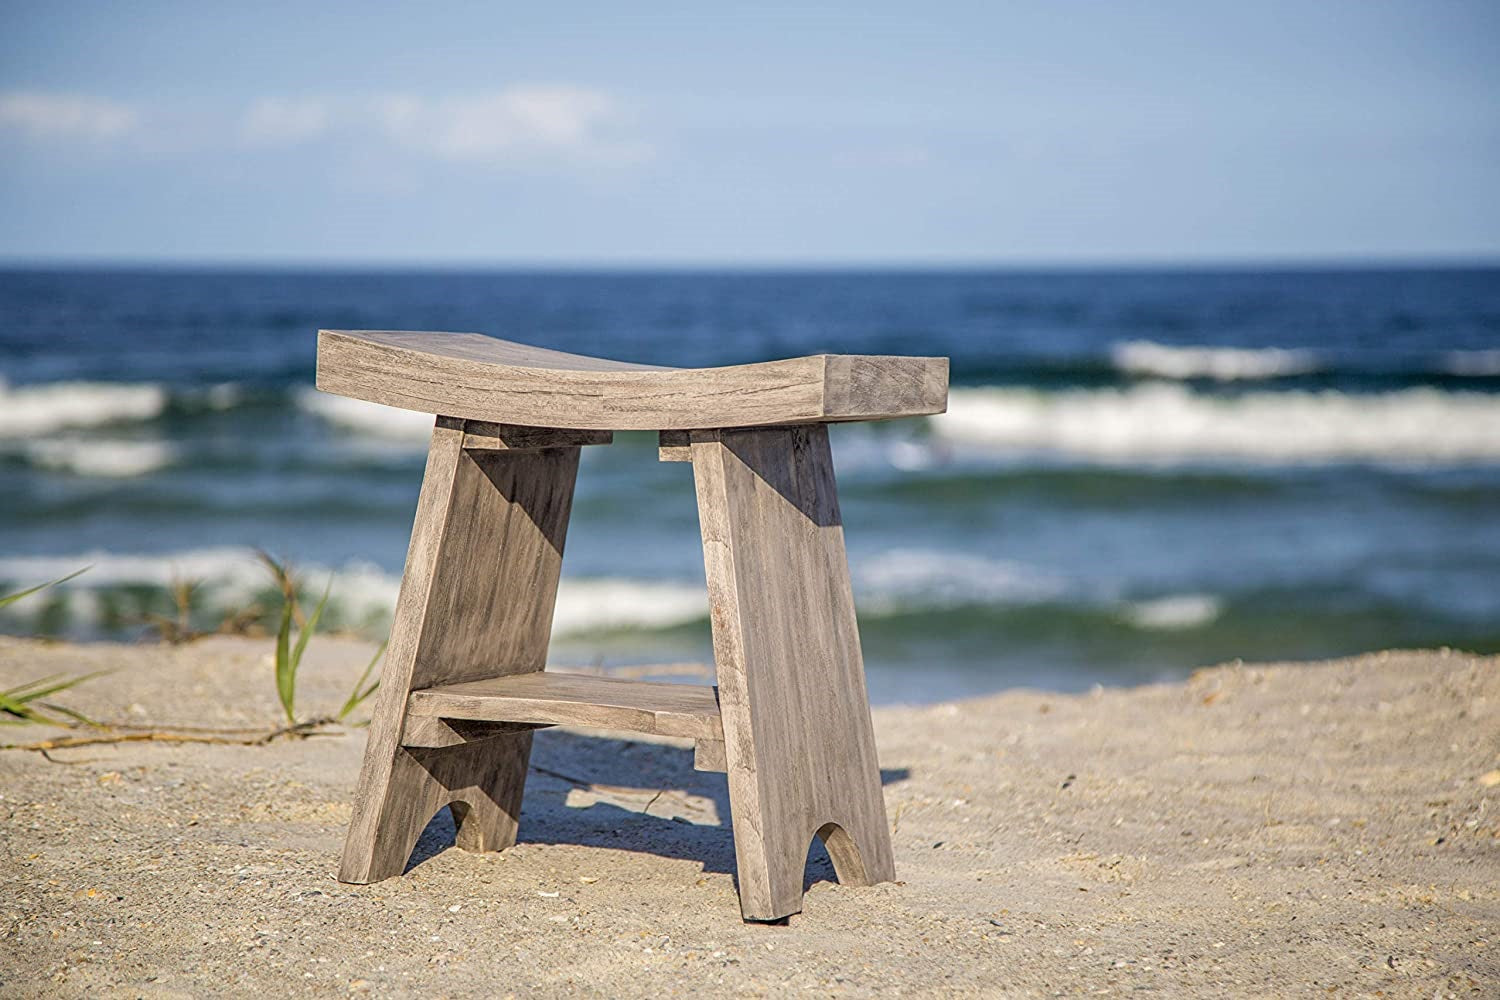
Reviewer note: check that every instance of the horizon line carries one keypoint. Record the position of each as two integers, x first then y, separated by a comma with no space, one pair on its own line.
1267,262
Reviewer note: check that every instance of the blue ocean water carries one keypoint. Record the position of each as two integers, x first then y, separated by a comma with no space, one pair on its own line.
1139,473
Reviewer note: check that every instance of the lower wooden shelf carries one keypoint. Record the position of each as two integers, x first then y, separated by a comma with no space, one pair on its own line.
561,699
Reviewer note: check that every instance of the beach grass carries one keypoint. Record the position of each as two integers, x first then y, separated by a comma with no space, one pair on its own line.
22,703
288,656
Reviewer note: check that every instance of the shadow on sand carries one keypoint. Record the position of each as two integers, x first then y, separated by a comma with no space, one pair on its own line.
618,782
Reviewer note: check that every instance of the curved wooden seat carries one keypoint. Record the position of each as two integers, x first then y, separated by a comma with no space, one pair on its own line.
476,377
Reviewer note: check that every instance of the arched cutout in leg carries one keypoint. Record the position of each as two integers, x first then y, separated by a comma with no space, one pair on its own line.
487,824
818,867
466,832
435,838
457,824
848,864
483,782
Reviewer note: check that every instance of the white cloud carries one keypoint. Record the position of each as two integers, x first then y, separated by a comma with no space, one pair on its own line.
273,121
519,124
66,115
514,126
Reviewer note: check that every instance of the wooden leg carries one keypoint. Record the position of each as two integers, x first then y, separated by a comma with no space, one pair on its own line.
799,745
476,601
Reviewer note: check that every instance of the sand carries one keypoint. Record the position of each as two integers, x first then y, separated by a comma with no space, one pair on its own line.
1326,829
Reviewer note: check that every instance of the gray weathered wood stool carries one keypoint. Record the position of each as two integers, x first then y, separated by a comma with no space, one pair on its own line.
463,682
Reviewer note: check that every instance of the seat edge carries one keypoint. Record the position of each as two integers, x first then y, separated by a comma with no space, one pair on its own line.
476,377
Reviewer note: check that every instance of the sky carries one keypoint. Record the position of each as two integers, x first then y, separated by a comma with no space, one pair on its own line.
708,134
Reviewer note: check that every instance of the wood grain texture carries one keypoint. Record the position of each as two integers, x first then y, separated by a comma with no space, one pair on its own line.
483,435
708,755
578,700
476,600
799,744
480,378
427,731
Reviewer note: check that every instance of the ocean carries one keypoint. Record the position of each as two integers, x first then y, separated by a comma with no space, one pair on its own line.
1140,472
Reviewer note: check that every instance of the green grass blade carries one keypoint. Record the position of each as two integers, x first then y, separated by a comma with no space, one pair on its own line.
34,693
21,712
286,671
19,709
12,598
70,713
310,627
287,661
359,692
20,691
15,703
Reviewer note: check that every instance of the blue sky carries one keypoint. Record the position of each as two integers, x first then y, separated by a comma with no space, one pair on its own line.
719,134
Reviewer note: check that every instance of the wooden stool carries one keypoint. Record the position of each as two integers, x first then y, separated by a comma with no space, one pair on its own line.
464,682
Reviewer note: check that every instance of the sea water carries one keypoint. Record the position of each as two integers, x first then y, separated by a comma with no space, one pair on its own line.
1139,472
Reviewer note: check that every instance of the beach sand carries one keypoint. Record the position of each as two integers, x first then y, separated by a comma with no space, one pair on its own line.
1327,829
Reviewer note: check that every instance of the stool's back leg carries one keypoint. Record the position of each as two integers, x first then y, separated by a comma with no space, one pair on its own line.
476,601
798,740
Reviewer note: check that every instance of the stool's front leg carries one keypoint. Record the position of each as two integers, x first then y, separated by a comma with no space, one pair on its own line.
799,744
476,601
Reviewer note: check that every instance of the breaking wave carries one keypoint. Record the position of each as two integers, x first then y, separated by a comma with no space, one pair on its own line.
903,578
892,584
1165,421
104,459
1174,612
1225,364
904,581
366,418
27,411
231,578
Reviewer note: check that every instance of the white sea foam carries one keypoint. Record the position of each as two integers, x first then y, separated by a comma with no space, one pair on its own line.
1177,611
110,459
373,419
219,396
365,592
230,578
229,574
1482,362
907,579
587,604
901,578
1164,421
1227,364
860,448
29,410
